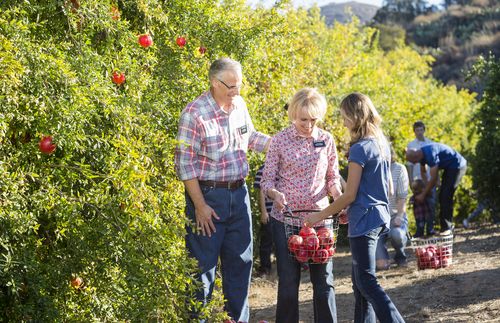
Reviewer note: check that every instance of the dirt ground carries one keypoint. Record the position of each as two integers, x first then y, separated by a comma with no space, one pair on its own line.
467,291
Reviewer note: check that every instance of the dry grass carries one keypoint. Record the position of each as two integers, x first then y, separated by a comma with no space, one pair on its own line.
427,19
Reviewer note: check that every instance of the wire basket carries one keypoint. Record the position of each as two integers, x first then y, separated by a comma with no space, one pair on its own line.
433,253
310,245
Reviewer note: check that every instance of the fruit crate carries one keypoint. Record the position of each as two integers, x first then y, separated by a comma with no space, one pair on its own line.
310,245
434,252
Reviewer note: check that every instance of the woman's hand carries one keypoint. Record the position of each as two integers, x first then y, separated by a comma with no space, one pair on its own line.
311,219
343,217
278,198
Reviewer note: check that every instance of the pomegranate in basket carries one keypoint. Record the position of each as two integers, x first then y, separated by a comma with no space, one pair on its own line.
311,244
307,231
294,243
326,237
321,256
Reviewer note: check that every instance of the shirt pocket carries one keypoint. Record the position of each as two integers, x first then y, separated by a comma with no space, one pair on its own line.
241,136
213,148
215,142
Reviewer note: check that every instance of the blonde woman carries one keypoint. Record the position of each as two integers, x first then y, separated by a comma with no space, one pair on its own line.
301,171
367,196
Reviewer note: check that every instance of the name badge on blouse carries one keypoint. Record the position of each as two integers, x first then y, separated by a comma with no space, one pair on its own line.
319,143
243,130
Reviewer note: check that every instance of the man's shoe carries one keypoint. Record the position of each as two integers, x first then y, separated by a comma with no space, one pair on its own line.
466,224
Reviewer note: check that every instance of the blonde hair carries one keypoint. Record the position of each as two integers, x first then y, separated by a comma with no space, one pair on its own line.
309,100
366,121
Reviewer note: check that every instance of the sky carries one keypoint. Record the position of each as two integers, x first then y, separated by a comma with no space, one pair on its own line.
308,3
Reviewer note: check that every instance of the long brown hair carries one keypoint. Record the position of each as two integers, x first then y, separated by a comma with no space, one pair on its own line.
359,109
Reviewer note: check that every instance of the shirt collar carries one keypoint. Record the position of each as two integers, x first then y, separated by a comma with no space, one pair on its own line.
295,134
216,107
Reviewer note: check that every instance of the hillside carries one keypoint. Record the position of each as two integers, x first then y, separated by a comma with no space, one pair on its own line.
460,34
455,36
342,12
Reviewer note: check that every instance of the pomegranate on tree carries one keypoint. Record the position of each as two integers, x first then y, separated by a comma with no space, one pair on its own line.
46,145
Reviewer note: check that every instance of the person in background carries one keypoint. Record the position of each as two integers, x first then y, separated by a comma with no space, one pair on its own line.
265,232
367,196
421,210
440,156
415,173
398,233
215,131
481,206
301,171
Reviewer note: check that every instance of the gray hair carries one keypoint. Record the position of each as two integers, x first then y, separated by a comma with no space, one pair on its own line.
222,65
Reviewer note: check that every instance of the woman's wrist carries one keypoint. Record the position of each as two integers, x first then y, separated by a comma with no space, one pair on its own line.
271,194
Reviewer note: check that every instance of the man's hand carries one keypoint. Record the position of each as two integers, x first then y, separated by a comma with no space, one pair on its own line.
204,221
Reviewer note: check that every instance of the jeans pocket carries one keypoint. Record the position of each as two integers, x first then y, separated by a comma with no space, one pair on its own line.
206,189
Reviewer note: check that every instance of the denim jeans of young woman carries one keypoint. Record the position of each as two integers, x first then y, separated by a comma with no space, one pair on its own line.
232,242
371,301
287,308
398,239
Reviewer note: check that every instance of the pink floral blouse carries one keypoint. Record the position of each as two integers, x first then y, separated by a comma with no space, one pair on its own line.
305,170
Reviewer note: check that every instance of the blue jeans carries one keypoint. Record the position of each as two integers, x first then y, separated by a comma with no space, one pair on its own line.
232,242
266,245
398,237
449,183
287,308
371,301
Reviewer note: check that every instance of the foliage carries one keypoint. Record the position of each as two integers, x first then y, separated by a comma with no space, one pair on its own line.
106,206
486,165
391,36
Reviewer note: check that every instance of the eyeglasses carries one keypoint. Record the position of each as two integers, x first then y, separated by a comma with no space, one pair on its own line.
230,87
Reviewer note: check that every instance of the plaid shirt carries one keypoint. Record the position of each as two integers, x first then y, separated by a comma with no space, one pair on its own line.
212,143
421,211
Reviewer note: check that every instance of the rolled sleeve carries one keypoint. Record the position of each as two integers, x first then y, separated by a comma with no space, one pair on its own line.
258,141
186,151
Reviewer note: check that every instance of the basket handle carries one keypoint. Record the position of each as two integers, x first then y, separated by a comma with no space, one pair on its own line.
291,212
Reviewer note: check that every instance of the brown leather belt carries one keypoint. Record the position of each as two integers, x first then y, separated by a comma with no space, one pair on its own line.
218,184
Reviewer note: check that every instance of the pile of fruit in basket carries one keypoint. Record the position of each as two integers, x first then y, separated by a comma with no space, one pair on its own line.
316,246
433,256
